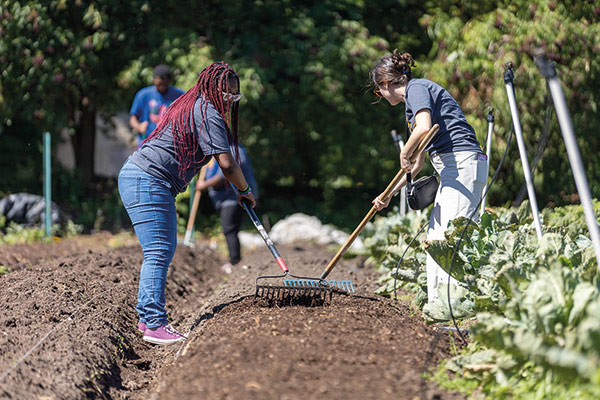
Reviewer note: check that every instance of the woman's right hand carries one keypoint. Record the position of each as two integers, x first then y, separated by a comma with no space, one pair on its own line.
142,127
379,204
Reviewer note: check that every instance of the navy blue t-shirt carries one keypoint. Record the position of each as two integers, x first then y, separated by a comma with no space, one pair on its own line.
158,156
455,133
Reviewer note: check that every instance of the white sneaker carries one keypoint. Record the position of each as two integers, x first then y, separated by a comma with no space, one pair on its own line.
227,268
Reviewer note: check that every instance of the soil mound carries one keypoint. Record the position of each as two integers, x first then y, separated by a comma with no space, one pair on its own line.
67,329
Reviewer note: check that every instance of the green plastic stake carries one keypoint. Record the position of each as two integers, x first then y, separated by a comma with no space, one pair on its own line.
47,182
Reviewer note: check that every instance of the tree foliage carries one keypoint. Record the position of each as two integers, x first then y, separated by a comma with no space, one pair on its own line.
60,59
468,58
307,115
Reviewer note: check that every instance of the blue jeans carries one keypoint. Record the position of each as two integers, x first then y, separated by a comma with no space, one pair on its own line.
151,208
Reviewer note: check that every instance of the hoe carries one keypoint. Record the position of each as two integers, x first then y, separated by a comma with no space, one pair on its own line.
295,287
384,196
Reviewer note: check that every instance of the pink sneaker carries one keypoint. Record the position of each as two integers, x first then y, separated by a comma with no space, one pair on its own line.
163,335
141,326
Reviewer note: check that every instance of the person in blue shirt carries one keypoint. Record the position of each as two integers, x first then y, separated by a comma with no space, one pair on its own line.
224,199
454,151
150,103
202,124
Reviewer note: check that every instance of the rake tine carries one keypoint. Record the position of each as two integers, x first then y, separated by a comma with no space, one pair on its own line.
343,285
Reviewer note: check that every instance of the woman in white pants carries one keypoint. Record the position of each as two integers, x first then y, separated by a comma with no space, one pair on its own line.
454,151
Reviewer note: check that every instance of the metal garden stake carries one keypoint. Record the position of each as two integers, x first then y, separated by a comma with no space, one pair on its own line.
548,70
510,91
399,145
488,151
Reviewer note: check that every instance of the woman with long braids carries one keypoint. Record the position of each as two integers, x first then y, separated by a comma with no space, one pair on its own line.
199,125
454,151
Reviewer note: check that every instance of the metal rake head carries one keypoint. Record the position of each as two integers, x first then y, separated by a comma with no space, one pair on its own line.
294,294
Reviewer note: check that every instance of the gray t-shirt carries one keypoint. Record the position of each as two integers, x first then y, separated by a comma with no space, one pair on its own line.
158,156
455,133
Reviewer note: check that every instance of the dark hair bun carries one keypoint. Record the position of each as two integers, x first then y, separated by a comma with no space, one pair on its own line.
403,62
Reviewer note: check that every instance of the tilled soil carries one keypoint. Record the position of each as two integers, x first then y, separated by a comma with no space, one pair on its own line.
67,329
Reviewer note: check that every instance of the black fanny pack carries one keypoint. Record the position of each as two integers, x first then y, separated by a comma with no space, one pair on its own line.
421,193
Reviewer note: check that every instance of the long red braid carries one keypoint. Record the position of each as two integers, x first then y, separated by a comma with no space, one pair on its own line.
213,80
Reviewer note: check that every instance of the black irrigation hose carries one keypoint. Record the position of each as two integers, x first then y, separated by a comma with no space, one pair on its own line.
542,146
546,131
402,257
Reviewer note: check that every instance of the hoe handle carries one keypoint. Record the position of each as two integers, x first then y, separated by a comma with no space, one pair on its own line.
195,203
263,233
384,196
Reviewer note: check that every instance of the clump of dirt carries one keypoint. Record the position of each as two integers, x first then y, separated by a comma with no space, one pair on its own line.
67,330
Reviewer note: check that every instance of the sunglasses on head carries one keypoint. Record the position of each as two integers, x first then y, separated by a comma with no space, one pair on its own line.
231,97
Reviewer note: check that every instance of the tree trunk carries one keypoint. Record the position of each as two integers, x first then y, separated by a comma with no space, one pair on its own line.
84,142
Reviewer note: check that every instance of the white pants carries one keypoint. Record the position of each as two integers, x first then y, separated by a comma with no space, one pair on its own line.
463,176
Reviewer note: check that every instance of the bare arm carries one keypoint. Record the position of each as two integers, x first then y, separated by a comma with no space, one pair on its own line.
417,167
215,181
234,174
422,126
136,125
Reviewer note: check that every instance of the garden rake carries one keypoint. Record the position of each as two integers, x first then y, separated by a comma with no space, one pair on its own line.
298,287
385,195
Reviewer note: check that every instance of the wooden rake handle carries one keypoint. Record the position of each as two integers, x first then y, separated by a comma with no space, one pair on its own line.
384,196
196,202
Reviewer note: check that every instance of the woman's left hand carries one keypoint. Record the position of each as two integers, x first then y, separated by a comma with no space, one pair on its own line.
249,199
405,162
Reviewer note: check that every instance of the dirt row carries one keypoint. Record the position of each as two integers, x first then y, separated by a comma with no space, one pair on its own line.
67,329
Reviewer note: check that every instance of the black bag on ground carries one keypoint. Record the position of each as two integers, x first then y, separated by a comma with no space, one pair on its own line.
421,193
29,209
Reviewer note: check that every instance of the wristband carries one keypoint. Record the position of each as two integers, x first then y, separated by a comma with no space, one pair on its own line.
246,192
